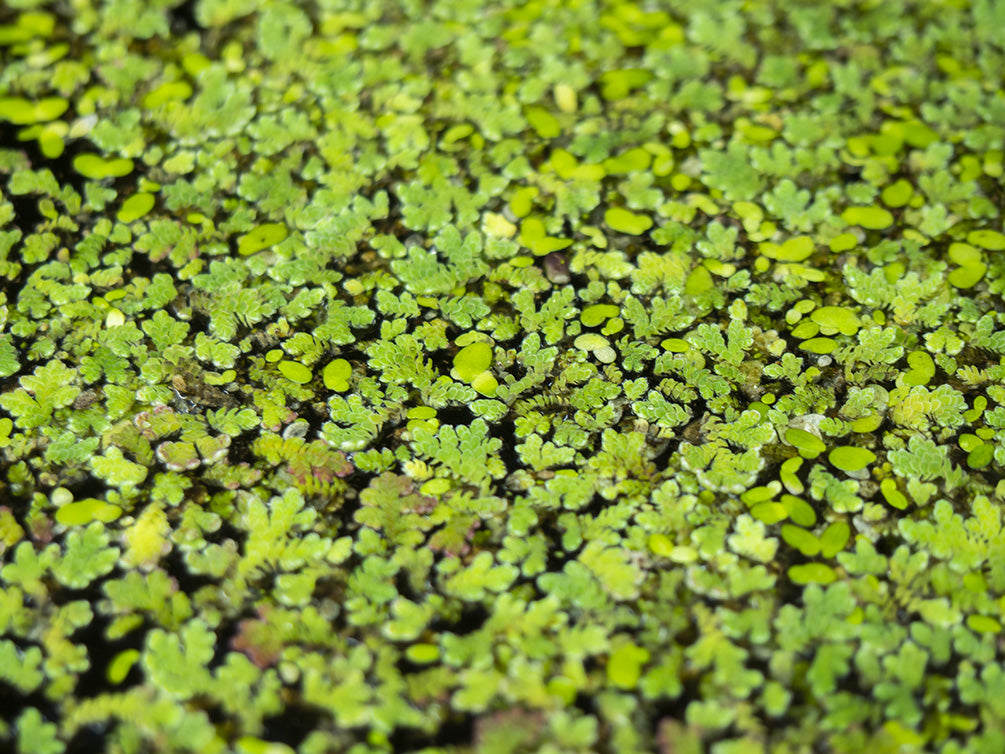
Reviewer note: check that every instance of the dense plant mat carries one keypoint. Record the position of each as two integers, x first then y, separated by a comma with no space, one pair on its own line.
465,376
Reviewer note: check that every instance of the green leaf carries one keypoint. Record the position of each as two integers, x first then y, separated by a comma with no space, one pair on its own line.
731,172
849,458
281,31
164,330
295,371
968,275
540,455
799,510
96,167
48,388
542,121
796,249
86,557
617,84
924,460
177,663
812,573
769,513
262,237
624,666
836,318
85,511
820,346
984,624
808,444
749,539
22,669
20,111
422,654
232,421
135,207
116,470
624,221
806,542
992,240
26,410
9,362
169,91
870,218
834,538
613,569
480,577
36,735
221,355
472,360
336,375
468,453
922,368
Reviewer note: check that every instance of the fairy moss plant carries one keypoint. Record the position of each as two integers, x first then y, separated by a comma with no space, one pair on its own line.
599,376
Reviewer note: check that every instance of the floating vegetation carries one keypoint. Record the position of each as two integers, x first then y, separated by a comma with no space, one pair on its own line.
501,377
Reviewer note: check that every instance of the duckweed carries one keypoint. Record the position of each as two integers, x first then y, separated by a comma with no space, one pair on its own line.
21,111
798,510
821,346
96,167
809,445
83,512
336,375
625,221
992,240
597,314
812,573
624,666
797,249
836,318
262,237
534,236
472,360
135,207
870,218
850,458
922,368
295,371
898,193
423,654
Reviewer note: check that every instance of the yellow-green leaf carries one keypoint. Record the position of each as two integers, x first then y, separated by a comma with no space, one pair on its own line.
624,666
625,221
84,512
850,458
336,375
870,218
812,573
834,538
295,371
135,207
95,167
472,360
261,237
